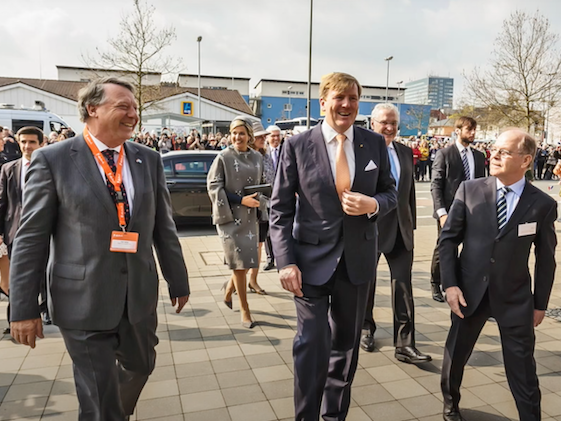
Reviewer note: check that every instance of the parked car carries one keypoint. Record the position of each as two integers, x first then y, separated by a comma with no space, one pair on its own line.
186,173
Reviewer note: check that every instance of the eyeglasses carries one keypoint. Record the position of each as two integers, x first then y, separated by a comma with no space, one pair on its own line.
503,152
387,123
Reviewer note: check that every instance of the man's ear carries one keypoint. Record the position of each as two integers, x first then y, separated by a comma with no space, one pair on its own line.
91,110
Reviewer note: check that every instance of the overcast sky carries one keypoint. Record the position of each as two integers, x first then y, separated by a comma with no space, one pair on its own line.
269,38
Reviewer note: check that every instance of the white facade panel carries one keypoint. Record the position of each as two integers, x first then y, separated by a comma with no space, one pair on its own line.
235,84
22,95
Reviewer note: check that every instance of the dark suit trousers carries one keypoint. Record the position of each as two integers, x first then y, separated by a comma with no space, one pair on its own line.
400,261
326,346
435,264
111,367
269,248
518,354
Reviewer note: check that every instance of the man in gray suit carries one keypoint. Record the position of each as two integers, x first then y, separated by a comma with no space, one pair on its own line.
497,220
105,204
333,182
395,240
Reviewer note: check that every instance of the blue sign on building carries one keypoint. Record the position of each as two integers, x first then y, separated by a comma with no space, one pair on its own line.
187,108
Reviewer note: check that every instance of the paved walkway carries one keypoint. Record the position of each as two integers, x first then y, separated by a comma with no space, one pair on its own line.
210,368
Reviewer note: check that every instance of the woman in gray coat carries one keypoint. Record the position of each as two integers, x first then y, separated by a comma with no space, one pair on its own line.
235,214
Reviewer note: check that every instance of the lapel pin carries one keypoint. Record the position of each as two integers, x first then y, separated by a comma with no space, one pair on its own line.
360,146
139,161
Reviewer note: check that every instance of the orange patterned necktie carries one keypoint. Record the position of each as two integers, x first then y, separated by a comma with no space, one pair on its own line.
342,173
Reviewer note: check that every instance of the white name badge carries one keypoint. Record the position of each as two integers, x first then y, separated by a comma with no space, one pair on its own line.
124,242
529,228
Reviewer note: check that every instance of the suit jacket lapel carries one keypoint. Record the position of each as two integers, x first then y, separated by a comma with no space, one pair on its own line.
138,172
318,150
490,194
85,164
403,164
17,179
361,155
456,161
525,202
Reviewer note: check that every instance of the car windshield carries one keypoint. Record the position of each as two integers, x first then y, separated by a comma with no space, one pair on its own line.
189,166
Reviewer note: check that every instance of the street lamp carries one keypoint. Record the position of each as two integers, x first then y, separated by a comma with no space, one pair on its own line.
398,102
289,104
199,39
388,59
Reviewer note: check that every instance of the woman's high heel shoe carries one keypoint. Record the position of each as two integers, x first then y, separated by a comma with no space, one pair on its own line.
260,291
224,288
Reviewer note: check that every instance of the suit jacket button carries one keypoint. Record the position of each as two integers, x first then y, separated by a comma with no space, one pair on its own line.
484,279
124,271
492,260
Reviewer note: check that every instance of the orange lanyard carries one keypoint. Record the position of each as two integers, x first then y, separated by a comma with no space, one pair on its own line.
114,178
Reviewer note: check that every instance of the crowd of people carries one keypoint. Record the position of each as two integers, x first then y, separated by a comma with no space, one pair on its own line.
326,203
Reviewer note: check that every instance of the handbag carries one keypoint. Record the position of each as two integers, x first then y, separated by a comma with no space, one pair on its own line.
264,189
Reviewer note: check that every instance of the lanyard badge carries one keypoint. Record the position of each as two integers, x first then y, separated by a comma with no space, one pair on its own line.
121,241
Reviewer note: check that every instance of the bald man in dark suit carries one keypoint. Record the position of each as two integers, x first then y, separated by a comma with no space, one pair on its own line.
497,220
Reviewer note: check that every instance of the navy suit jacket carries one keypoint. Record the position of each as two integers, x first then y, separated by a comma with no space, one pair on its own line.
308,225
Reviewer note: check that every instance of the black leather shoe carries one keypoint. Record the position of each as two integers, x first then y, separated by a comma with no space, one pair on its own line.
270,265
452,415
411,355
367,342
436,293
47,319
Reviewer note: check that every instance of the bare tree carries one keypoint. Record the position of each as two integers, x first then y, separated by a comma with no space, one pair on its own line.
418,117
523,79
138,53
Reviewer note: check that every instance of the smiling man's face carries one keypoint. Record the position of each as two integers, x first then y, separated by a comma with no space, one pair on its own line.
341,108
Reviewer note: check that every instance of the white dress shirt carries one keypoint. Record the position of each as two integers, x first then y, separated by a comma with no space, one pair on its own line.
393,153
24,168
512,197
127,176
471,160
331,143
275,155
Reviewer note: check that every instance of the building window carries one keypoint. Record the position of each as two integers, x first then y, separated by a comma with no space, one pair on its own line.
269,106
287,107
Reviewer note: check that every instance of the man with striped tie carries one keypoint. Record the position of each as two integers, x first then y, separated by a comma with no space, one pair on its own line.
451,166
497,219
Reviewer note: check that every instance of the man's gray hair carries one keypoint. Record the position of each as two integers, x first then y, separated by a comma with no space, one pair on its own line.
94,94
384,106
273,128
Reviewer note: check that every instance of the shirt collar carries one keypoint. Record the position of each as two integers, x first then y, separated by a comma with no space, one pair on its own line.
329,132
462,147
391,146
24,161
517,187
102,146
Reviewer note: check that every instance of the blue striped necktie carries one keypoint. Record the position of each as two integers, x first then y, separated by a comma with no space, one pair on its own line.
501,206
466,164
393,168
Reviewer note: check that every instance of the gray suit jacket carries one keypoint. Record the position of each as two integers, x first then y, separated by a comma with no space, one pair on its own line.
10,200
67,199
308,225
495,260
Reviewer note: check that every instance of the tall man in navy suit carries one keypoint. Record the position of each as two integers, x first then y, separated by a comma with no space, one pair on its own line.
497,220
395,240
332,184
